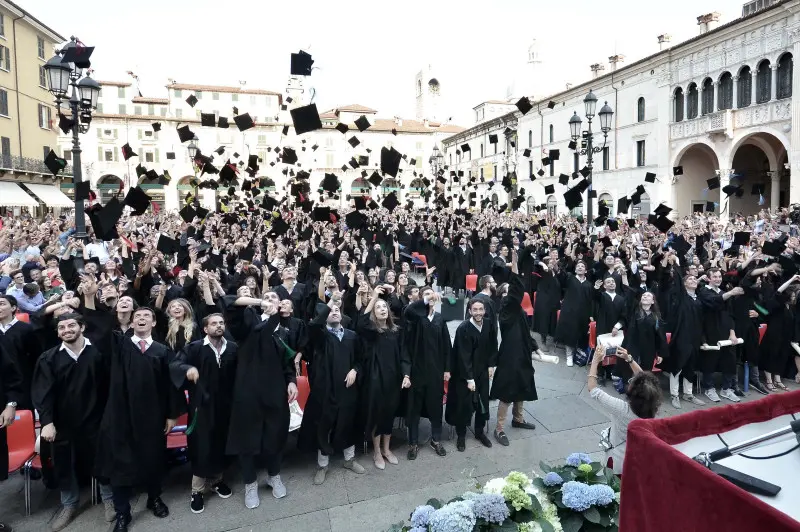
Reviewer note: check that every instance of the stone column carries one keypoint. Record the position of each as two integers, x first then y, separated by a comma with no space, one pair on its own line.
775,191
794,157
773,86
724,181
753,86
686,103
715,88
700,93
673,109
735,102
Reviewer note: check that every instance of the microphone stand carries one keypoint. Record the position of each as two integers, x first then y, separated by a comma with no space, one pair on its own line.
744,481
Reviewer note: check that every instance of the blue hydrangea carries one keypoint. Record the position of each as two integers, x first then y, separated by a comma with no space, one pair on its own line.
553,479
577,496
422,516
453,517
419,529
602,494
489,507
576,459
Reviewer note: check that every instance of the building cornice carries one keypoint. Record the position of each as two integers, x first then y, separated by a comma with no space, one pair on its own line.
33,21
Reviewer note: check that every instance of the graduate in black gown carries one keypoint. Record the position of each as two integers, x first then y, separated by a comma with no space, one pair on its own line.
20,341
10,396
143,407
576,309
645,338
206,369
547,288
472,364
610,314
776,350
387,370
428,345
330,418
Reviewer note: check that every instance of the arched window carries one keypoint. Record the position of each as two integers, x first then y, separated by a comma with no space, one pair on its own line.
763,82
481,149
530,139
640,110
551,132
531,205
416,188
643,209
784,80
552,205
708,96
108,186
608,201
745,91
691,104
679,104
390,185
360,187
725,98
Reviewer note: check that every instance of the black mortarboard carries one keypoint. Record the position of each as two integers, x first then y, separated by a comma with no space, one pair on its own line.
613,224
375,179
390,201
55,163
79,55
631,222
202,213
138,200
526,152
300,64
573,197
650,177
524,105
549,189
622,205
279,227
551,104
188,214
244,122
167,245
105,221
285,131
64,123
773,248
156,126
208,119
592,194
663,223
321,214
322,257
710,206
677,170
191,100
355,220
247,253
554,155
545,161
330,183
362,123
305,119
289,156
563,179
492,139
585,171
465,148
222,123
741,238
185,134
572,145
127,152
729,190
662,210
390,161
82,190
712,183
353,141
342,128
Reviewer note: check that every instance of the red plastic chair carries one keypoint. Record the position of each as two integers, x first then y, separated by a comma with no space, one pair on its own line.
593,334
762,330
176,439
303,390
527,306
22,449
303,368
472,283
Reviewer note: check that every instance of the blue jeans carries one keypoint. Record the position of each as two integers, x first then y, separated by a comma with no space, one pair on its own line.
71,497
728,381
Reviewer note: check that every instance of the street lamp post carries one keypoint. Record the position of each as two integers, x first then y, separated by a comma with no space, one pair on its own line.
62,76
590,103
436,161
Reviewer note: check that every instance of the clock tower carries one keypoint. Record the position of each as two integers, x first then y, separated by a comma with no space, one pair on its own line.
428,94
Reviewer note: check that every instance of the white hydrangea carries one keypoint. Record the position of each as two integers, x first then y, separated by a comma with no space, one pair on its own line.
495,486
549,510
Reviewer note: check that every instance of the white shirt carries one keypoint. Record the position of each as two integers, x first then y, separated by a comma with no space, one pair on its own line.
148,342
5,328
479,327
74,356
99,250
207,341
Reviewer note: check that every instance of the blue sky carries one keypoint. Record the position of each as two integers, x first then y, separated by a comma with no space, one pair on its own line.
368,52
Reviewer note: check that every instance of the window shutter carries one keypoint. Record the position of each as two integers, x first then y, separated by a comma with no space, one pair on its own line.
140,134
100,153
99,133
116,154
157,155
8,58
115,133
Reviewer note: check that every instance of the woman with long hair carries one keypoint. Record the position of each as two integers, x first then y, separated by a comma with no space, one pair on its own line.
645,337
387,371
180,327
576,309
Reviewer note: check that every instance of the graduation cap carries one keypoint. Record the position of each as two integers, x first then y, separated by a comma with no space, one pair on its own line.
592,194
526,152
167,245
631,222
612,224
138,200
773,248
208,119
585,171
390,201
78,54
662,223
64,123
289,156
622,205
188,214
545,161
330,183
353,141
712,183
104,220
54,163
710,206
572,145
355,220
549,189
321,214
342,128
465,148
191,100
362,123
322,257
662,210
82,190
551,104
300,64
127,152
650,177
244,122
729,190
285,131
247,253
222,123
156,126
390,161
573,198
185,134
677,170
741,238
375,179
305,119
524,105
554,155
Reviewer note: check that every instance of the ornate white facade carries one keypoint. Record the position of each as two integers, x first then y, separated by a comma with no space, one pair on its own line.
721,103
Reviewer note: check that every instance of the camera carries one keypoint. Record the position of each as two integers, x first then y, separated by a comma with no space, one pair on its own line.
611,351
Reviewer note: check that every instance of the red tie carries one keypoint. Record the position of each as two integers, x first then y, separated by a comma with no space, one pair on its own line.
143,345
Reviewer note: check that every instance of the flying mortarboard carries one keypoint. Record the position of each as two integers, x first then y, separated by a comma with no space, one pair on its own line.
167,245
342,128
300,64
353,141
191,100
289,156
54,163
362,123
773,248
64,123
244,122
79,55
677,170
585,171
554,155
712,183
185,134
127,152
138,200
650,177
524,105
390,161
551,104
390,201
741,238
662,210
492,139
623,205
222,123
526,152
710,206
305,119
663,223
549,189
82,190
465,148
188,214
208,119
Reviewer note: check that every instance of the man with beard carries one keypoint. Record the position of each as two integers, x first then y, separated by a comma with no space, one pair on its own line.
142,409
70,390
472,364
329,421
428,344
206,369
10,396
488,291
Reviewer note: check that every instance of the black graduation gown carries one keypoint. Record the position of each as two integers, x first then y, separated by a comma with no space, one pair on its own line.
463,262
717,325
329,420
260,411
298,298
609,312
428,347
22,345
131,442
685,322
11,391
384,364
548,301
645,339
210,401
473,353
776,349
514,377
746,327
576,308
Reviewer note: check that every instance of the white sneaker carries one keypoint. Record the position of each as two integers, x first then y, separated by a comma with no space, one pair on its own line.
569,361
278,489
251,499
676,402
729,395
711,393
693,399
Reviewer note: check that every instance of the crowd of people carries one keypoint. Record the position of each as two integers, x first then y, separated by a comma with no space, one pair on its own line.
217,314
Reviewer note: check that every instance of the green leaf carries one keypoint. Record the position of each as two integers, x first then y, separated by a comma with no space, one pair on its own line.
592,515
546,526
535,506
546,468
572,523
539,483
397,527
605,520
508,526
523,516
596,466
436,503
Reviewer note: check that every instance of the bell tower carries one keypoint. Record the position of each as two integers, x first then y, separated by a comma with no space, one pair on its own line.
428,94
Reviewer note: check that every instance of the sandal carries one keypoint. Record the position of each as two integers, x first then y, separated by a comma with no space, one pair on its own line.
782,386
769,386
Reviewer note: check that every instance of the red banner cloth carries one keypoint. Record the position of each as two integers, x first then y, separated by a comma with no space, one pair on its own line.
665,490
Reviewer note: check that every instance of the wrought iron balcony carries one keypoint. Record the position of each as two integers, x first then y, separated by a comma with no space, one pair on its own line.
28,165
